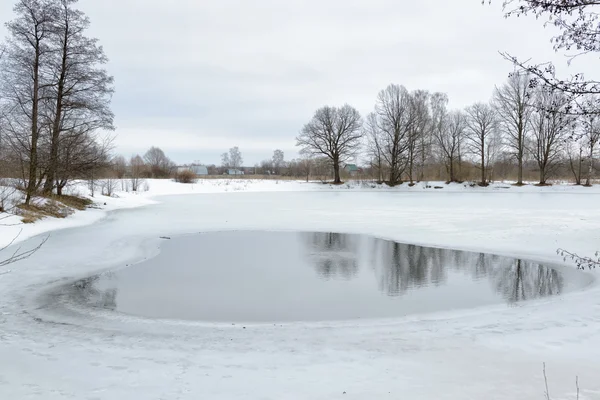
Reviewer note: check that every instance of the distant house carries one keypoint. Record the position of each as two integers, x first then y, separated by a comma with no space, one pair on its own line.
351,169
233,171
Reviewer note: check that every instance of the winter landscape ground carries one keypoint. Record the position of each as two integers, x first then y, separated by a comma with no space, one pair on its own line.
51,350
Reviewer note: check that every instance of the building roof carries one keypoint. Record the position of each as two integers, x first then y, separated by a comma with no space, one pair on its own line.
351,167
199,169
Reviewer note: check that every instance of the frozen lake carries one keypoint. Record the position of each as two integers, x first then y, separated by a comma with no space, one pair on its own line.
61,349
261,276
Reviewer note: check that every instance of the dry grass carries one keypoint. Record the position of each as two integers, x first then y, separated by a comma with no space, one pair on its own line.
54,206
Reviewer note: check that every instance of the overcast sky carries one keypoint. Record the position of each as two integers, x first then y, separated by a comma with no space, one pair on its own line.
196,77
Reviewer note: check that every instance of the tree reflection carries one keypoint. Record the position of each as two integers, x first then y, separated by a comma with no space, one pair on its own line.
333,254
401,267
524,280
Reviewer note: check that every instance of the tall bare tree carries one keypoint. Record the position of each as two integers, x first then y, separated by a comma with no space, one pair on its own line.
449,137
439,116
513,110
119,166
80,89
278,161
137,168
395,119
417,133
334,133
374,137
24,80
481,129
235,158
549,126
225,162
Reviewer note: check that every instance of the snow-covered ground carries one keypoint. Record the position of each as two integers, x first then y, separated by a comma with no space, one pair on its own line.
58,351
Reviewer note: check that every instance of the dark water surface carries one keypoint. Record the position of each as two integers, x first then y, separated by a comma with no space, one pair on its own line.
283,276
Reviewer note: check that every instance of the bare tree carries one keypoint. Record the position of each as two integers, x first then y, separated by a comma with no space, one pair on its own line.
481,126
235,158
417,132
81,155
549,128
590,138
334,133
137,170
306,163
225,161
80,90
278,161
375,139
575,153
159,165
449,137
513,111
24,80
395,121
119,166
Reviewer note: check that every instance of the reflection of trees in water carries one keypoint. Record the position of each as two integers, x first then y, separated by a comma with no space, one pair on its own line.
525,280
87,291
400,267
333,254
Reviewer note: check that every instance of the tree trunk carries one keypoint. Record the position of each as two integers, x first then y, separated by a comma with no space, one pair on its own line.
52,166
483,164
451,171
520,172
588,181
33,156
336,170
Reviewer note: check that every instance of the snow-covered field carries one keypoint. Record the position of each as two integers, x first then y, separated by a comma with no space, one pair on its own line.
57,351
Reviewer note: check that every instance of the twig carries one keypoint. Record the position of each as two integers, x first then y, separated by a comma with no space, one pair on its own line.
546,381
12,241
580,261
577,384
22,255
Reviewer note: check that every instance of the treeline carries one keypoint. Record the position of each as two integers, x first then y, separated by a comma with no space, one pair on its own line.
411,133
54,97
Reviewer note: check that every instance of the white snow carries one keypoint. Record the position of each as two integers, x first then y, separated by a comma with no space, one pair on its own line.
52,352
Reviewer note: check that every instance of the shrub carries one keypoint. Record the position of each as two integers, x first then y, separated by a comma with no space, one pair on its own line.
185,176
